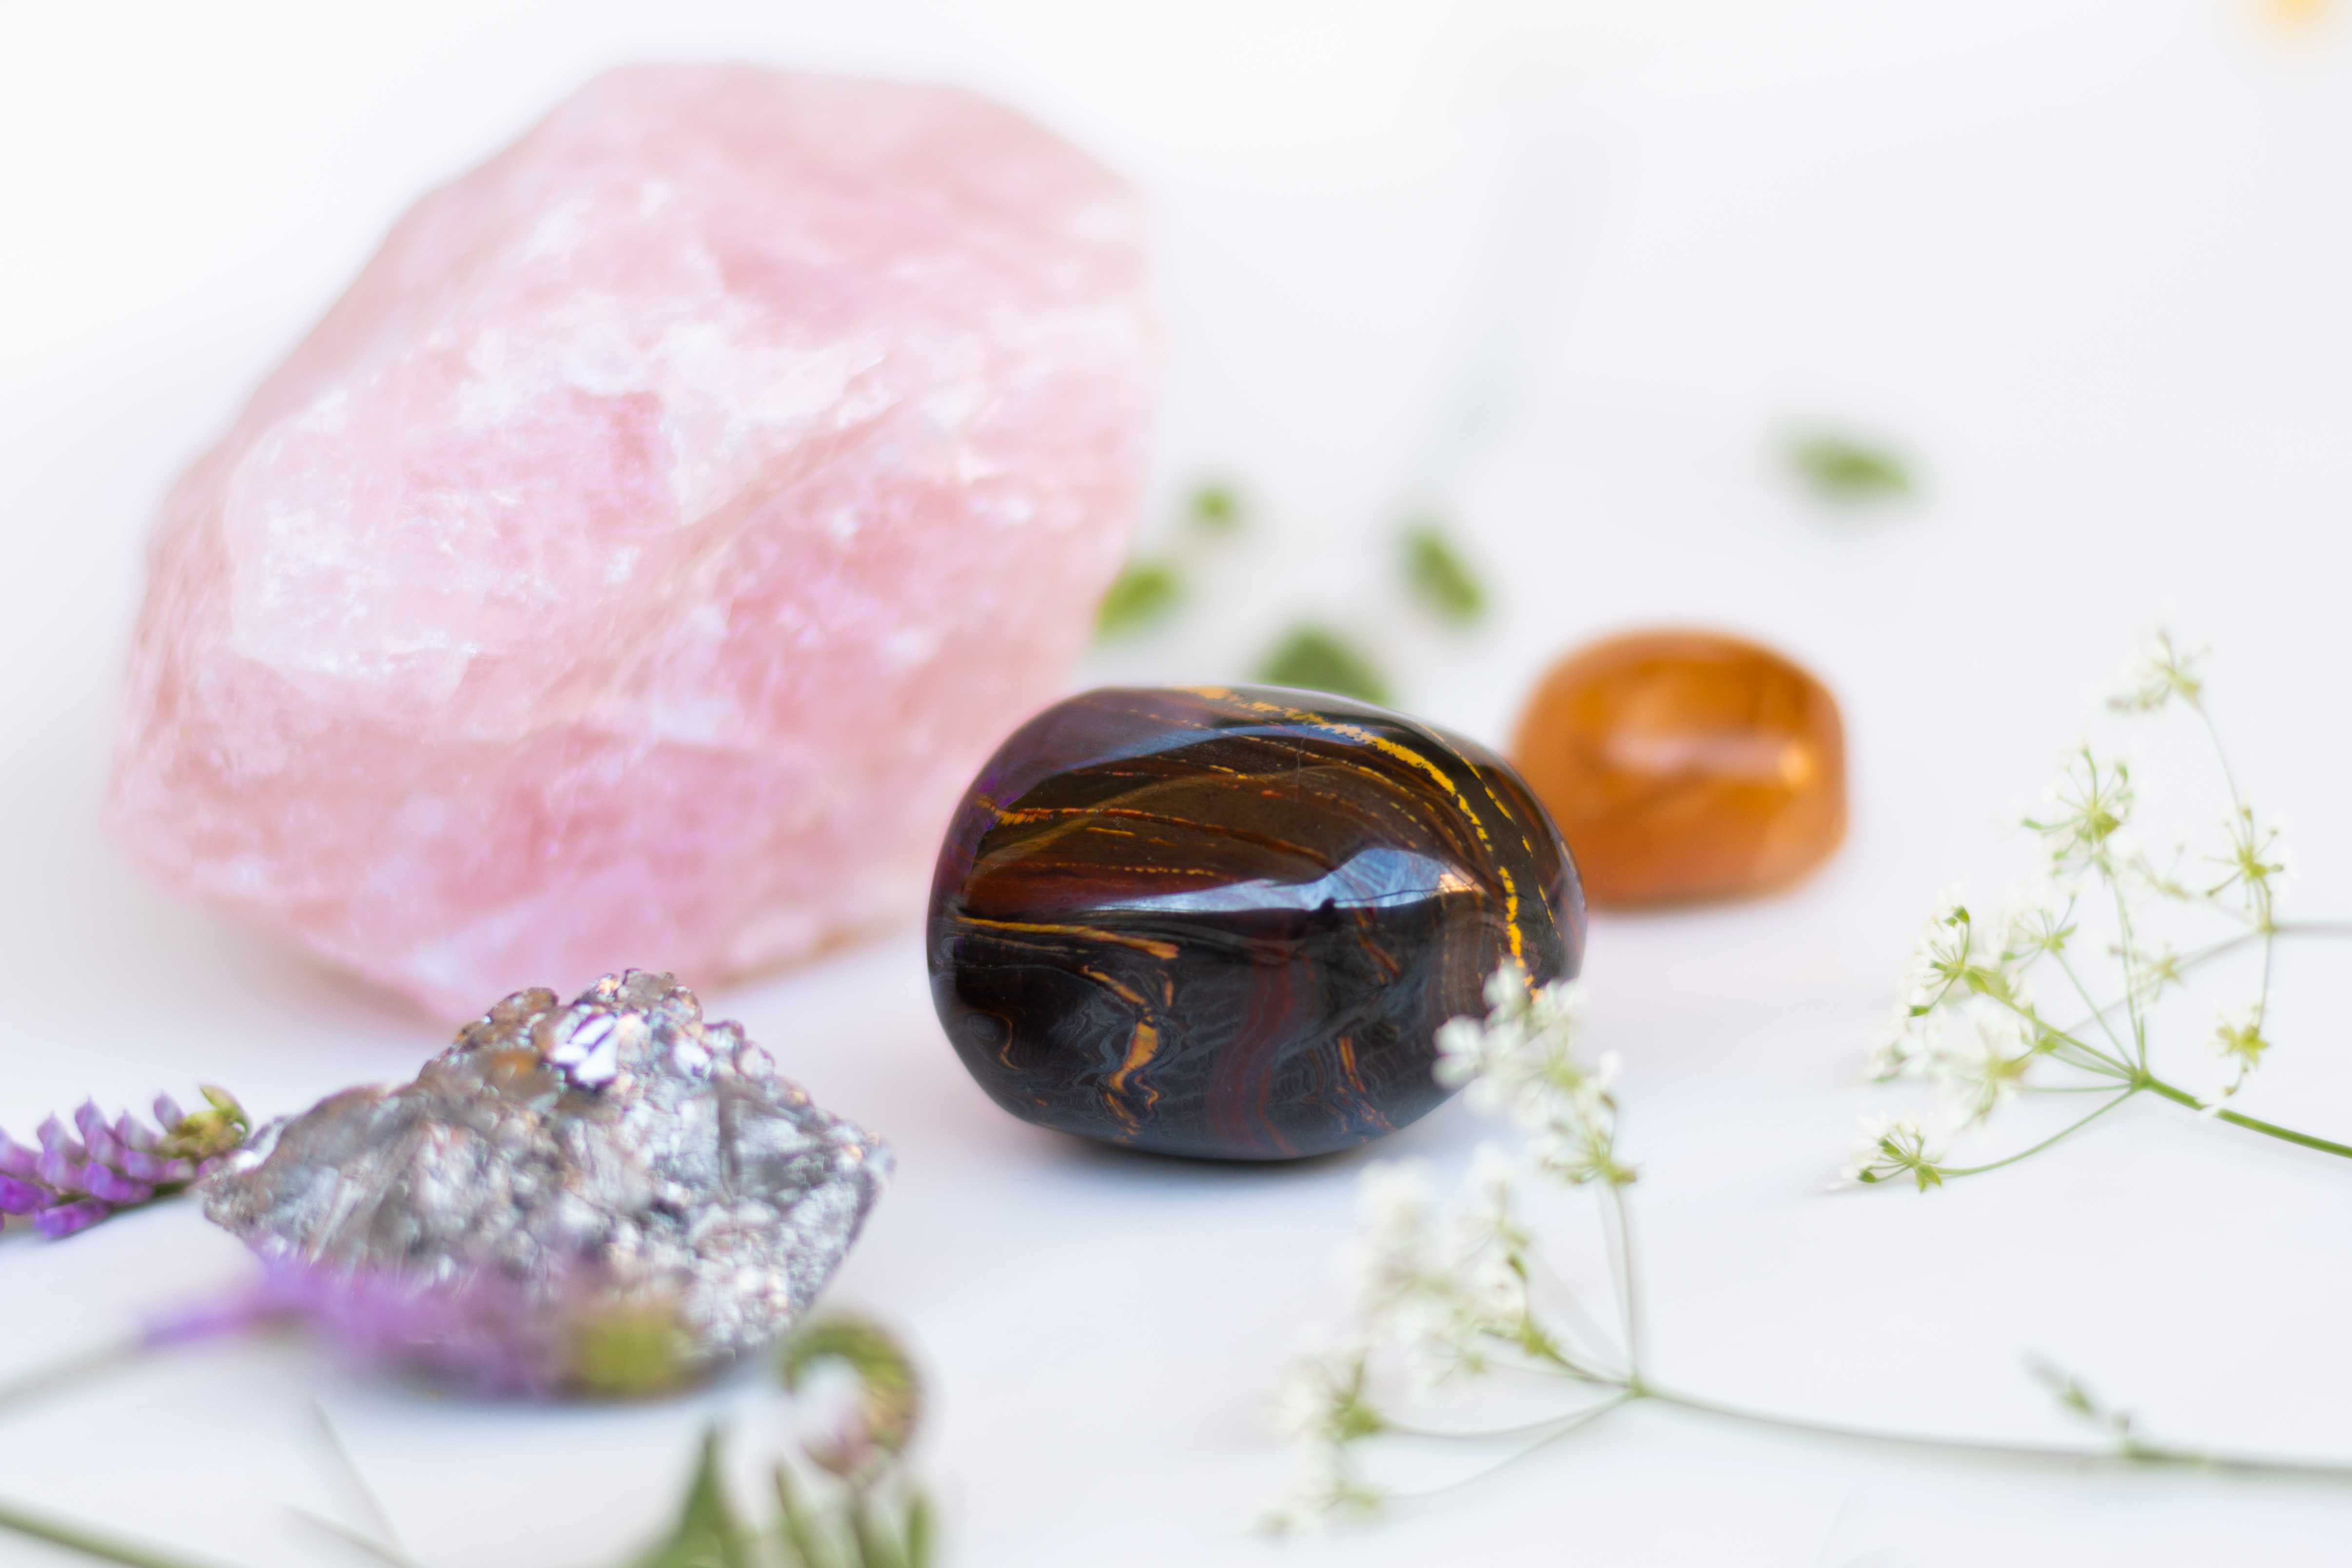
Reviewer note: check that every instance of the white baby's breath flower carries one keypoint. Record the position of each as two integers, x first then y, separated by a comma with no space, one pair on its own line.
1327,1484
1906,1041
1387,1263
2037,918
1956,956
2085,814
2238,1036
1300,1401
1495,1171
1982,1057
1521,1061
1926,973
1891,1149
2249,862
2162,673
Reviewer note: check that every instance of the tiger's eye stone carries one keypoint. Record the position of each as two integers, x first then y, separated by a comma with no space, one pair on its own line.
1227,922
1684,765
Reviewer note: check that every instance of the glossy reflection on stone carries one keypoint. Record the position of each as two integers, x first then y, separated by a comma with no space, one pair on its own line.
1686,766
1227,922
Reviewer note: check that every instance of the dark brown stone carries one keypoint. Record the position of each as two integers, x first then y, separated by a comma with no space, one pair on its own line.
1227,922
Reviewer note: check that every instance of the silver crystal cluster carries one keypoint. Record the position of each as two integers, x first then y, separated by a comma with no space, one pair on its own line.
560,1170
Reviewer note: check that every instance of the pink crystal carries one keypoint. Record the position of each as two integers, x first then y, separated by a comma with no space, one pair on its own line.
634,565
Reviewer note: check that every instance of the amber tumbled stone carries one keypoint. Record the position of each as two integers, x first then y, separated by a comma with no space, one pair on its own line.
1227,922
1685,765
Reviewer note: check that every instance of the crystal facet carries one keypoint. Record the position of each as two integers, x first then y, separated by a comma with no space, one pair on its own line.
561,1179
1227,924
1686,766
636,561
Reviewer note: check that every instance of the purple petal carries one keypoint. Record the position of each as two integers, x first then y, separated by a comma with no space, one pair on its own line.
67,1218
168,1113
105,1148
131,1135
140,1166
61,1169
101,1182
53,1135
90,1119
16,1159
23,1197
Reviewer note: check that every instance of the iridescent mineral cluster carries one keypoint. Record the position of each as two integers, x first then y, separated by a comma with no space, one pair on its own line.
606,1196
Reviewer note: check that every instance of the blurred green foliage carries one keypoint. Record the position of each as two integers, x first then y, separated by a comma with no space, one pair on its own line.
1152,586
1847,470
1216,509
1440,578
1314,659
1143,594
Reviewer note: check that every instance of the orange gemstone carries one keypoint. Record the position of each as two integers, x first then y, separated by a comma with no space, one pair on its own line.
1686,766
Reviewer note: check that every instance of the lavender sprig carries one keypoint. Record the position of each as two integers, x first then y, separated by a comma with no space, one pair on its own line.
70,1182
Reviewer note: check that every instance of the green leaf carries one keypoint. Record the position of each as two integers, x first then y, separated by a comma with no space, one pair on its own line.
1847,470
708,1534
1216,509
798,1530
918,1534
1315,660
1142,595
1440,578
876,1549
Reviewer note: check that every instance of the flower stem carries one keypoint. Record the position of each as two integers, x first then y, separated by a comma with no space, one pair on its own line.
1558,1428
1629,1300
2068,1131
75,1539
42,1382
2135,1454
2156,1086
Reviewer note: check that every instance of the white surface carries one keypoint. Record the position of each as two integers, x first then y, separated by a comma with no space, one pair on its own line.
1563,270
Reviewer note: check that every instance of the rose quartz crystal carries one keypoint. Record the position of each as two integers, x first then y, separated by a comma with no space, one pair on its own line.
632,569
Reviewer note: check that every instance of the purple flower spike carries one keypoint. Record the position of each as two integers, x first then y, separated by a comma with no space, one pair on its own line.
17,1161
120,1190
69,1185
67,1218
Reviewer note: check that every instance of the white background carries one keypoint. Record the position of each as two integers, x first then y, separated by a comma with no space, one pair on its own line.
1565,272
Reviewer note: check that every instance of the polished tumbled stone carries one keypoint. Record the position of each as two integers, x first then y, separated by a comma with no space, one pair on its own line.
1686,765
1227,924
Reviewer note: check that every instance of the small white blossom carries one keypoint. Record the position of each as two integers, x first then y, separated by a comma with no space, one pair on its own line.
2250,863
1521,1061
2037,918
1904,1043
2085,814
1939,958
1387,1265
1981,1058
2238,1036
2162,673
1891,1149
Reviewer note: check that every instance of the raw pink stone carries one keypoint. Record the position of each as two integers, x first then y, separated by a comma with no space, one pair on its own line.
634,566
